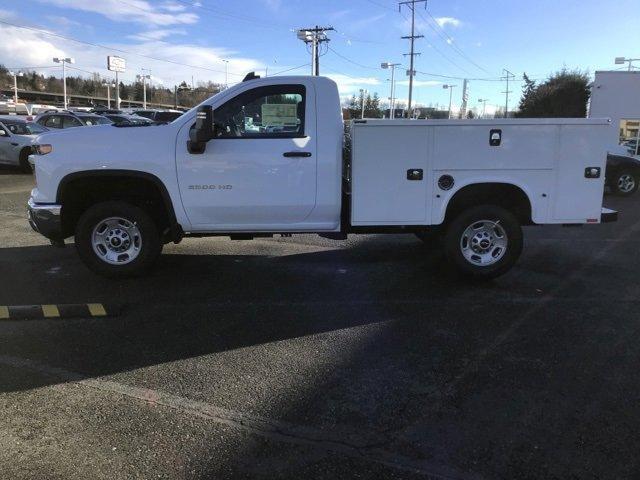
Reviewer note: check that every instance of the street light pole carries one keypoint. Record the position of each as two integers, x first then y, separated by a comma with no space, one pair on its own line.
15,76
450,88
109,85
623,60
64,61
144,78
483,101
226,74
392,98
362,92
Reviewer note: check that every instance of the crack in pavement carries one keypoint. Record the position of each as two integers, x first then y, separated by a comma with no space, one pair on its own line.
356,446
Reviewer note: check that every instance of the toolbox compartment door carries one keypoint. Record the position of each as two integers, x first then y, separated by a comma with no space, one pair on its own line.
390,174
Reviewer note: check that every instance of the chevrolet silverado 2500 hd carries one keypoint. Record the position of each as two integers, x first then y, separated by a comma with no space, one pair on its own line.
267,157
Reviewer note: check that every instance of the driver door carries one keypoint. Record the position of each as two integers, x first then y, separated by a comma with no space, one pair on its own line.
259,170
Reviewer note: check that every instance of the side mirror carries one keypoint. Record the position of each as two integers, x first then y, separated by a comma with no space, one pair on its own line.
3,133
202,132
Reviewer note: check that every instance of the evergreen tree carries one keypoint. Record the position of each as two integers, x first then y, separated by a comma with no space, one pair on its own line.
563,94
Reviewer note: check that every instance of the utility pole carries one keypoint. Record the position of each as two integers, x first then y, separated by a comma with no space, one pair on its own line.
392,98
314,36
411,4
15,76
507,76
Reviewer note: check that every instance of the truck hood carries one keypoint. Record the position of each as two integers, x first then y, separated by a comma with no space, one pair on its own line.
104,145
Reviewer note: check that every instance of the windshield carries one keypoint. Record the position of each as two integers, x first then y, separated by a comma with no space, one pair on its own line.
96,120
23,128
139,121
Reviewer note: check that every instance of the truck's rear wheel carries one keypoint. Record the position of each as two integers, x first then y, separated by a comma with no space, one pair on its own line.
116,239
484,242
625,183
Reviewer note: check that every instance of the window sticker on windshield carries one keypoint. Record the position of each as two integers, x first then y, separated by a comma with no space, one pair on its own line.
279,114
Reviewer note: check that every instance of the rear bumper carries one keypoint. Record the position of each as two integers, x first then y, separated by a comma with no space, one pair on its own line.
46,220
608,216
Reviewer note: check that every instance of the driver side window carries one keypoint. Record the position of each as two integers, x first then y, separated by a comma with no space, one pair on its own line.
275,111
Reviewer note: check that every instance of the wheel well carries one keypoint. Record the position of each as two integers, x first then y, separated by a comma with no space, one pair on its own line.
504,195
78,192
24,154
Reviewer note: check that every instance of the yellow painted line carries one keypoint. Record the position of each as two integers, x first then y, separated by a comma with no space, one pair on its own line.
50,311
4,312
96,309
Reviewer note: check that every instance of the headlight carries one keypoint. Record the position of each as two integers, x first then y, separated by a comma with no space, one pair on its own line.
42,149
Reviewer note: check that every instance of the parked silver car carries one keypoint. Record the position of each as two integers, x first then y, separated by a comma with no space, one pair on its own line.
16,135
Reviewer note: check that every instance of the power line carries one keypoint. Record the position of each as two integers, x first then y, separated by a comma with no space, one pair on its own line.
111,49
352,61
290,69
381,5
442,54
448,40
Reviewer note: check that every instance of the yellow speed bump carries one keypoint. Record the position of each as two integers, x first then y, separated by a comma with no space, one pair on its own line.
50,311
60,311
96,310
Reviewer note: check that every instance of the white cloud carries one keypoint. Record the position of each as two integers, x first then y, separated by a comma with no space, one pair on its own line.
444,21
349,85
173,7
30,48
158,34
63,22
139,11
273,4
26,48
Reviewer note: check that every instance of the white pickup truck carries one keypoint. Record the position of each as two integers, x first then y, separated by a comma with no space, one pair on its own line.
269,156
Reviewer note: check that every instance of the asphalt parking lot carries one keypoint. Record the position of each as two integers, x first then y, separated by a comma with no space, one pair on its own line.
310,358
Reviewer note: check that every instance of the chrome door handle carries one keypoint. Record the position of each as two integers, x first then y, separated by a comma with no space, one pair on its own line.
296,154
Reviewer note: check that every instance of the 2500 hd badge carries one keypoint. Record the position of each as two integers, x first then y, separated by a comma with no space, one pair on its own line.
210,187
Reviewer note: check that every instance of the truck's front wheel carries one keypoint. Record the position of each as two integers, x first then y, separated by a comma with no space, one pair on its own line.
484,242
117,239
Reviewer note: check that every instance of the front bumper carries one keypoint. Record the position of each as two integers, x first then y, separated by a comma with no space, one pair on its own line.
46,220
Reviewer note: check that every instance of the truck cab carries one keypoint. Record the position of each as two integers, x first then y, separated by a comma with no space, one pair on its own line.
269,156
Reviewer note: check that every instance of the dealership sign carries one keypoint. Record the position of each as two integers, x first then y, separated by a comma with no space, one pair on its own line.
116,64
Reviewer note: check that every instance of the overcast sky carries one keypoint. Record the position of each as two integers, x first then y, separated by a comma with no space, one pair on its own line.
180,39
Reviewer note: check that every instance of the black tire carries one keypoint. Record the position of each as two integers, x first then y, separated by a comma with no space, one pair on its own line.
149,239
25,166
625,183
454,242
